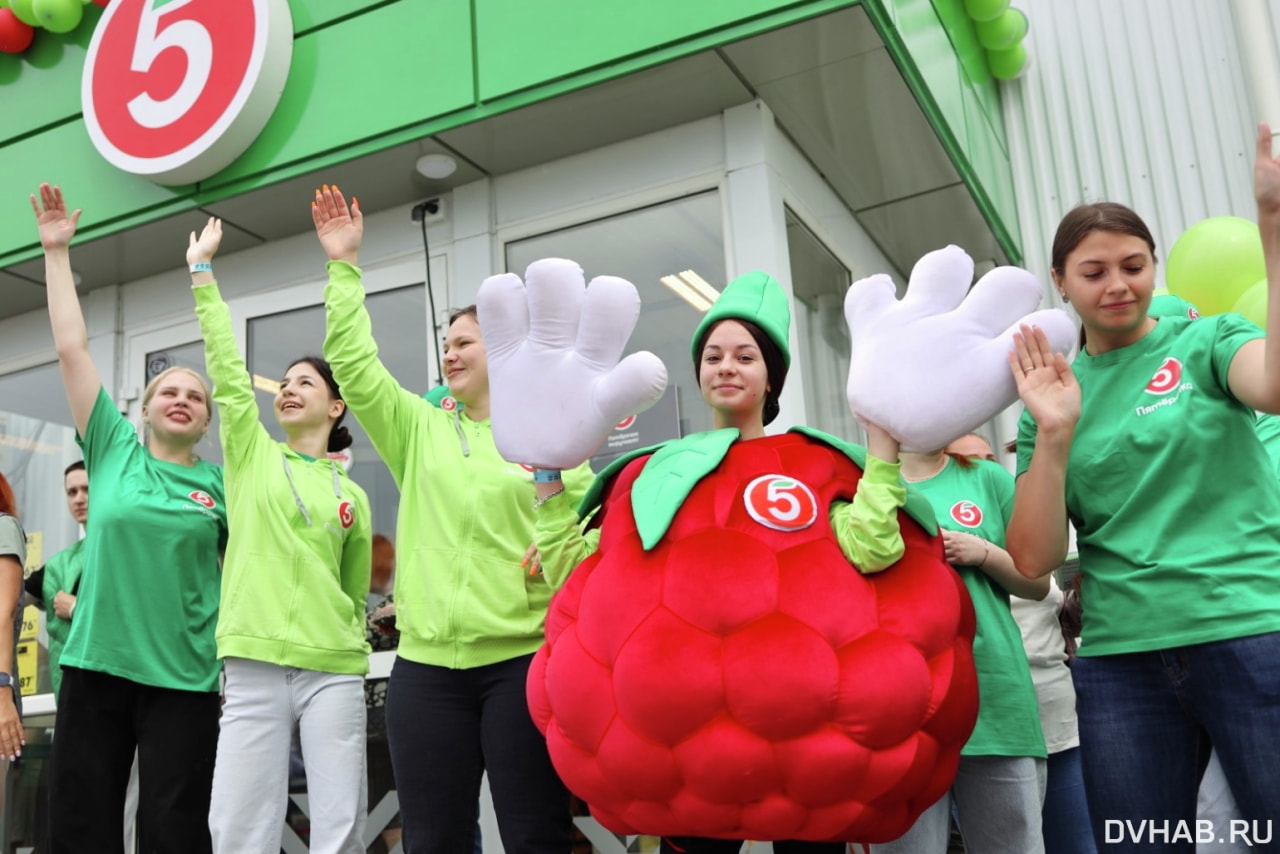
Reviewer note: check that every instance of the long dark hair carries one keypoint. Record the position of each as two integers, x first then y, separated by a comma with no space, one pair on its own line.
1083,220
339,436
775,365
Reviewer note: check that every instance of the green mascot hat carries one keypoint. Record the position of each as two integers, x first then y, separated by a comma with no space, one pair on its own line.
756,297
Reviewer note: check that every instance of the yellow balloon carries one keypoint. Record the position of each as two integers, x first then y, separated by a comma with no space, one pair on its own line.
1253,303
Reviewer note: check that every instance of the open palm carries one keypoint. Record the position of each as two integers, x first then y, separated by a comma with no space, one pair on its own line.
56,228
1266,174
340,227
1046,383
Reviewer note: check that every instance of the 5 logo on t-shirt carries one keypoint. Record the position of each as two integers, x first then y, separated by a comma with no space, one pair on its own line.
346,514
1167,384
967,513
203,502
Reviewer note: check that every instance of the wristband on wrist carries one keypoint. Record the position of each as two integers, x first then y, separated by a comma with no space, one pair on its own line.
202,267
986,553
546,475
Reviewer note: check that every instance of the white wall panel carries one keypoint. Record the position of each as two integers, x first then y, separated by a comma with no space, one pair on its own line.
1136,101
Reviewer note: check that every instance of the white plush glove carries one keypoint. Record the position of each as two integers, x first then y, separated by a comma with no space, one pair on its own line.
556,387
934,366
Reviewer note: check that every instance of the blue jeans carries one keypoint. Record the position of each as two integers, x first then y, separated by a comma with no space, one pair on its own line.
1066,814
1147,723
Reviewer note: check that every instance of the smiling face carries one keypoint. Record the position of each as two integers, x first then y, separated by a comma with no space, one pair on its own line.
176,407
466,367
76,486
304,399
732,375
1109,278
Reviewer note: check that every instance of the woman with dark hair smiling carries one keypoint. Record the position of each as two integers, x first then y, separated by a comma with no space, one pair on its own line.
291,632
1179,549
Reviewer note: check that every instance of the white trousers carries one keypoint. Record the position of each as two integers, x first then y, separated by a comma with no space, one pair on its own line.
264,705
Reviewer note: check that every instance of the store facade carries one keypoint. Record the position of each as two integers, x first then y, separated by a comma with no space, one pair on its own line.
665,142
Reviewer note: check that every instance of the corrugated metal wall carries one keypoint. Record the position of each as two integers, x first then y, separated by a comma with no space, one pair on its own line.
1136,101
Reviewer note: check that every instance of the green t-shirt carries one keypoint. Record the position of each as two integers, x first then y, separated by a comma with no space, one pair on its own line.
1268,430
62,572
148,601
979,501
1175,503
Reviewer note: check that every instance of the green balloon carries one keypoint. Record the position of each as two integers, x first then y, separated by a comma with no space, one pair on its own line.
985,10
1214,262
58,16
1002,32
1007,64
22,11
4,4
1253,303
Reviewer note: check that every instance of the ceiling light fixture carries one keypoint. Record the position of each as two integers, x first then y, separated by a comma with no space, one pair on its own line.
692,288
436,166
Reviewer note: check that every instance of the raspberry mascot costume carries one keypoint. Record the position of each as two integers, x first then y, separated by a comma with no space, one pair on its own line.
715,667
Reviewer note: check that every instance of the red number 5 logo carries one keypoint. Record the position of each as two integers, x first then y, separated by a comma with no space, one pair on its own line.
177,90
967,513
780,502
346,514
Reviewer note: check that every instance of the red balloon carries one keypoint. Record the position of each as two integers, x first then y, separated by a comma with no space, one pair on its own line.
15,36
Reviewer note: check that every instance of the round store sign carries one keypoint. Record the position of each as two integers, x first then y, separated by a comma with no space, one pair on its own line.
174,90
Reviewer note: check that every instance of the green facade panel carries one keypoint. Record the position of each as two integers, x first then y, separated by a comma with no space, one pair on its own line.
65,154
933,44
42,86
310,14
529,43
343,90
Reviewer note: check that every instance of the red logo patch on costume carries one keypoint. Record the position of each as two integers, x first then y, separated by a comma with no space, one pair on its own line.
1167,378
967,513
780,502
625,423
448,403
203,498
346,514
1192,313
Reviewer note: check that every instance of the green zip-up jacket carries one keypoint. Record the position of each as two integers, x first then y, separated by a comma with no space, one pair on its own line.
300,544
62,572
466,515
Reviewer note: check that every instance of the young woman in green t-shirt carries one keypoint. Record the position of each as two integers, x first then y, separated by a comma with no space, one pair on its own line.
1179,547
1000,785
139,670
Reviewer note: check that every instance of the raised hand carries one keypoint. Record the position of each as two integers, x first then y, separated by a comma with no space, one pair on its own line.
931,367
203,248
556,385
56,228
339,227
1266,175
1045,381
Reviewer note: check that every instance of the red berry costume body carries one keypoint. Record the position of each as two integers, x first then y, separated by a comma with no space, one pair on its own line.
736,680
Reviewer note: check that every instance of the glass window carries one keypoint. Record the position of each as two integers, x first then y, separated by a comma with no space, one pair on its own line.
672,239
190,356
820,282
37,443
400,327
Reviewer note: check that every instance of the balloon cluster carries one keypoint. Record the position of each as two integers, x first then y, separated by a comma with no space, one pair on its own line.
1217,265
1000,30
20,18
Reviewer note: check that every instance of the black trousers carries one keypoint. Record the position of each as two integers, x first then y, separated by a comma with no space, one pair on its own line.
101,720
446,728
695,845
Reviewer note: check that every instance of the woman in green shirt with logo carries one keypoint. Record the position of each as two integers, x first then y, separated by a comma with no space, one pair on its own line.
139,669
1179,549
